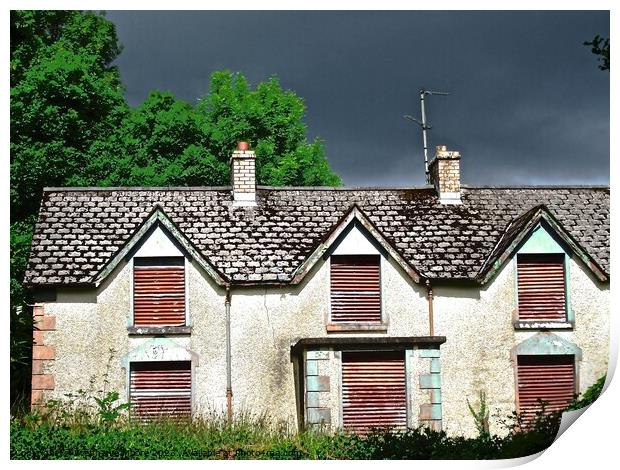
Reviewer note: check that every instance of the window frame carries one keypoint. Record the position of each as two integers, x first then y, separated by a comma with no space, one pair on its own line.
130,365
406,353
380,326
545,344
573,359
159,329
545,244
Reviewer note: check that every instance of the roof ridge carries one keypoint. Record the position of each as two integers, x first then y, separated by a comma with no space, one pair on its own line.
539,186
313,188
135,188
229,188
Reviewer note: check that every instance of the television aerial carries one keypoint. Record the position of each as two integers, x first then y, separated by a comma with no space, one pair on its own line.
424,125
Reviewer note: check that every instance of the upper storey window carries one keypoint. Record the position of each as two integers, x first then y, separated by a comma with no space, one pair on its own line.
541,286
159,291
356,289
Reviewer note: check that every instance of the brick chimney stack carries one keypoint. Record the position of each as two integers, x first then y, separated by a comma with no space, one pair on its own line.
243,175
445,175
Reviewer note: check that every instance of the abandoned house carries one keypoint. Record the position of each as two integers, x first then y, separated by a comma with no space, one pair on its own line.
346,307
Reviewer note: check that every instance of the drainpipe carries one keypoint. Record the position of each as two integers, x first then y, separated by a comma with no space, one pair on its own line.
229,393
429,293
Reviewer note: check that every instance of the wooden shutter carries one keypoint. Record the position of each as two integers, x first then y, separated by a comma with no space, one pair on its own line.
355,289
373,390
161,389
159,295
550,378
542,290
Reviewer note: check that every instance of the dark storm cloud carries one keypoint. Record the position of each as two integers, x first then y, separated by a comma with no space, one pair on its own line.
529,105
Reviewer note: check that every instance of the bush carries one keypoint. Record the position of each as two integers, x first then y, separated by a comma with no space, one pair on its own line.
253,440
589,396
78,429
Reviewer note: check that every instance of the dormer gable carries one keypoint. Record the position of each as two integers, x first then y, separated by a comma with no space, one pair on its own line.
168,236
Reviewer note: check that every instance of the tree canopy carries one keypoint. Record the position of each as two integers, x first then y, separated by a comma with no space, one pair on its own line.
65,96
166,141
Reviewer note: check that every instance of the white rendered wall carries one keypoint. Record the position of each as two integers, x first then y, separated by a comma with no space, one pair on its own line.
267,321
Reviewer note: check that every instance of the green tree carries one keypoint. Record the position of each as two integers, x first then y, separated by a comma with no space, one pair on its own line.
271,119
166,141
20,319
159,143
65,97
600,47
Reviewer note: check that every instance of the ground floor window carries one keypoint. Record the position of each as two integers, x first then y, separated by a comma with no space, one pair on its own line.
161,389
374,391
550,378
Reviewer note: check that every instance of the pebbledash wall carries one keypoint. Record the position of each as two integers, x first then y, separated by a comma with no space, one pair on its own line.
478,324
265,322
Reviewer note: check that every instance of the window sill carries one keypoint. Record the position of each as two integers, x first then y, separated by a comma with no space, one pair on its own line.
543,325
159,330
344,327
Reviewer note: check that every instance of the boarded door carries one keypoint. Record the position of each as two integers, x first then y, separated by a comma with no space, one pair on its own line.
355,289
550,378
373,390
541,287
161,389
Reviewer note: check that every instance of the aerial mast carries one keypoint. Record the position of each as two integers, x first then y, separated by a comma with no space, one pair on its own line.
424,125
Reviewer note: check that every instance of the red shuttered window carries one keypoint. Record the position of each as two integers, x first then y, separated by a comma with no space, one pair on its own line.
159,292
374,390
161,389
549,378
355,289
542,287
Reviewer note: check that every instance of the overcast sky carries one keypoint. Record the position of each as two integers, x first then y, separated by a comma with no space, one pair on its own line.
529,105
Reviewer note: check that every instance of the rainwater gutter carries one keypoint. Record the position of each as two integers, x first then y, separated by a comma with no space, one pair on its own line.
429,294
229,393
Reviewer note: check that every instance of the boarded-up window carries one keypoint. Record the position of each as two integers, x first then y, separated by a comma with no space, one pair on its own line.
161,389
373,390
355,289
542,289
159,292
550,378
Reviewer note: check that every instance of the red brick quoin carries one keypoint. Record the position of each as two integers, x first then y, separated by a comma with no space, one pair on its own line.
41,354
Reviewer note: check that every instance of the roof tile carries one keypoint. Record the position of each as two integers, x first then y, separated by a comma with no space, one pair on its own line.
270,241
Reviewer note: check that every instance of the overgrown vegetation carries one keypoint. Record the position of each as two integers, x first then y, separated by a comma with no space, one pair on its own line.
250,438
589,396
95,425
481,416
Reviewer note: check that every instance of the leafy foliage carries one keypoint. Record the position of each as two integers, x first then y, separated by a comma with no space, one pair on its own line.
481,416
600,47
65,96
74,428
20,313
589,396
167,142
257,437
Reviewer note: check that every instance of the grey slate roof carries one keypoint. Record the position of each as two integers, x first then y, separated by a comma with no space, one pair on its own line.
80,229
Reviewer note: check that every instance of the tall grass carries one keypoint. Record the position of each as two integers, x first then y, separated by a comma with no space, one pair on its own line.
246,437
99,427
